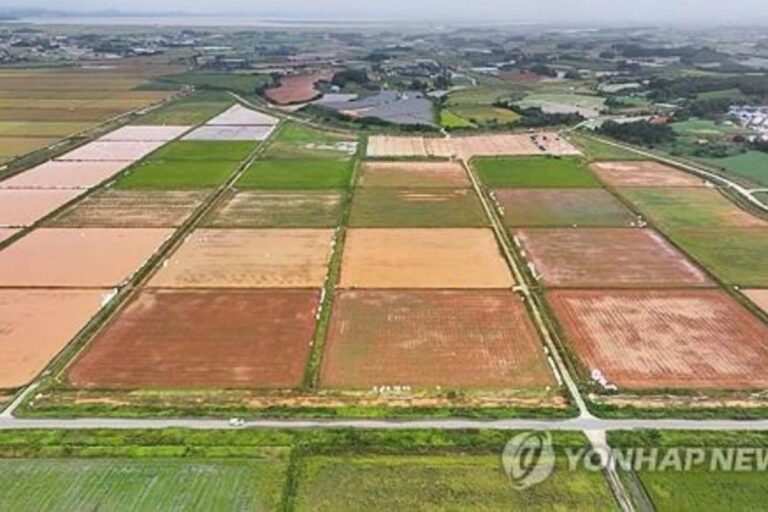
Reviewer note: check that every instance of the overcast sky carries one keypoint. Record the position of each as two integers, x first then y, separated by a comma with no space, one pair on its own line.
714,11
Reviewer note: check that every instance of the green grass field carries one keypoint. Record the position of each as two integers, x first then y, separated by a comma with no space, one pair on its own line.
205,150
397,207
299,209
680,208
141,484
459,482
694,491
737,256
295,140
558,100
751,166
762,197
299,173
482,114
535,172
600,151
190,111
241,83
169,175
704,128
452,121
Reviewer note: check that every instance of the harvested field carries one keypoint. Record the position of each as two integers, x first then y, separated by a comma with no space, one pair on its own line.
738,256
298,174
35,325
426,339
562,208
112,208
203,338
644,174
535,172
238,115
205,150
469,146
759,297
12,147
142,133
55,174
665,339
608,257
101,151
41,128
414,175
247,258
297,88
679,207
6,233
423,258
176,174
78,258
256,133
420,207
19,208
81,114
300,209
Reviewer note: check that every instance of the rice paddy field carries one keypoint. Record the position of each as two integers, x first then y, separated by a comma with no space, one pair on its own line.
596,150
399,207
535,172
751,167
287,209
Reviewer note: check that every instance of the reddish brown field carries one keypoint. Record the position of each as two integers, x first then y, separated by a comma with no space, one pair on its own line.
607,258
78,258
759,297
19,208
145,133
467,339
414,174
249,258
35,325
644,174
101,151
203,339
297,88
665,339
55,174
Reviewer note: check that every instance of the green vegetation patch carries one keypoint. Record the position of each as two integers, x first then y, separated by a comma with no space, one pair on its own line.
535,172
295,140
562,208
450,120
142,484
398,207
237,82
293,209
596,150
459,482
189,111
561,101
167,174
751,166
680,207
738,256
704,128
298,173
205,150
483,114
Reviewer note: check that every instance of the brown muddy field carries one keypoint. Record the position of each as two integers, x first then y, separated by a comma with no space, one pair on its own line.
112,208
414,174
248,258
644,339
297,88
203,339
423,258
111,151
35,325
643,174
424,339
78,258
55,174
608,258
258,209
145,133
759,297
19,208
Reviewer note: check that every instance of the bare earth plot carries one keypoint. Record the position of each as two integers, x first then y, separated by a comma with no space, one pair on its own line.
665,339
248,258
418,207
57,174
113,208
14,147
203,339
259,133
644,174
78,258
109,151
423,258
414,175
759,297
139,133
562,208
300,209
36,324
464,339
237,115
608,257
19,208
680,207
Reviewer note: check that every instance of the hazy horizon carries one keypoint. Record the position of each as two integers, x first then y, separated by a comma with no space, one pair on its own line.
553,11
